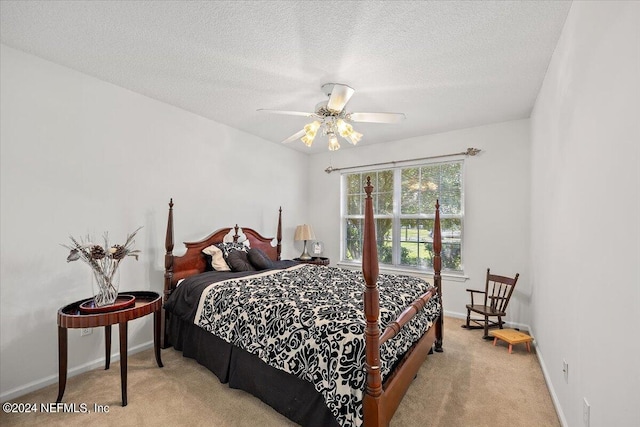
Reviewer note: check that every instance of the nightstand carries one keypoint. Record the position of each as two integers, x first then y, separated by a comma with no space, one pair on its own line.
314,260
71,316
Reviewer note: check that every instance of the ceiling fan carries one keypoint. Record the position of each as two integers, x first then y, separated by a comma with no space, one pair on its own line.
332,119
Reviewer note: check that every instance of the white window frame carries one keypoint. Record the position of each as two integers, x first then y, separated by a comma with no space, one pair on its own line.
397,217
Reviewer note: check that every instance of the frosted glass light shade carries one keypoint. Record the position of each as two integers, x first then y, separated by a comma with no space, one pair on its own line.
333,143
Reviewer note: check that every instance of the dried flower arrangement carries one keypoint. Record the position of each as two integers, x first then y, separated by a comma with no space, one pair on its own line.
104,262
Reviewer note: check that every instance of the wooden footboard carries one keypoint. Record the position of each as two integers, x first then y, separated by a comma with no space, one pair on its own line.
381,401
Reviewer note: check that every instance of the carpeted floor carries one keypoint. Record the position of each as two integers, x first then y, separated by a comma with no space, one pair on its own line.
472,383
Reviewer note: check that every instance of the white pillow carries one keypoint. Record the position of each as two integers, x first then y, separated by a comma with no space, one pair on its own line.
217,260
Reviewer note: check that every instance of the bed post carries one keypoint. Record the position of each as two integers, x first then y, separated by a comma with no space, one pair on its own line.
372,408
168,272
279,233
437,280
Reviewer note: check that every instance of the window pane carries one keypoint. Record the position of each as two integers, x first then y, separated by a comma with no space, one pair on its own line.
422,186
410,197
422,233
416,242
451,188
429,188
353,249
385,182
382,195
354,205
353,184
385,203
384,237
451,230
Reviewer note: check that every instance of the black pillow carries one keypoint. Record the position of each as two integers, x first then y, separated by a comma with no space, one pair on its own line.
238,261
207,263
228,247
259,259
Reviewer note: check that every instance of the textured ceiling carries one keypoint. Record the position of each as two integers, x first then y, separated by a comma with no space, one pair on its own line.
446,65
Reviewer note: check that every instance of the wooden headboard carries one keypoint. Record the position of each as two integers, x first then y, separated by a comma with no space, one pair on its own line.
194,262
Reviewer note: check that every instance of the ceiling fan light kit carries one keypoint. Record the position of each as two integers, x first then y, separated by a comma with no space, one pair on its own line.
333,142
333,119
347,132
310,131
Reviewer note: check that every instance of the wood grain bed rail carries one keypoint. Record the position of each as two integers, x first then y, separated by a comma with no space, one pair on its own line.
395,326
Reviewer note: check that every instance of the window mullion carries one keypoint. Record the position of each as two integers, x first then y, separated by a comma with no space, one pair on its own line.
397,192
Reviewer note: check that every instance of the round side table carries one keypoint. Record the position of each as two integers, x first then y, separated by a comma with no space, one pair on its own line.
70,316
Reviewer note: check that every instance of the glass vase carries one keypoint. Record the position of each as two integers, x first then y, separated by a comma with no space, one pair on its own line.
105,288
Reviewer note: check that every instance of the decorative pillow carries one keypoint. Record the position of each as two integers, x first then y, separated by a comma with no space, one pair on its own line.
228,247
259,259
207,263
238,261
217,260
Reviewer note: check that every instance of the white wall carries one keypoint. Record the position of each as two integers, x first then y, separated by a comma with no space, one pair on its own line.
585,257
80,156
496,185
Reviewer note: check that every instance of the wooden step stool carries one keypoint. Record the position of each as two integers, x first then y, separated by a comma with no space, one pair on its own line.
511,336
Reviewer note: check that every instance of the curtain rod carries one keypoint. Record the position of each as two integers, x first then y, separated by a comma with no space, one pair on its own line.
469,152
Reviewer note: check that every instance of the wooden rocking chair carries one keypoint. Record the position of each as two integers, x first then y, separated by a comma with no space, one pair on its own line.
497,292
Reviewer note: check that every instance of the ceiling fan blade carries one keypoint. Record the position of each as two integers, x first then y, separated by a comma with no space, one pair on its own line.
293,137
340,95
376,117
289,113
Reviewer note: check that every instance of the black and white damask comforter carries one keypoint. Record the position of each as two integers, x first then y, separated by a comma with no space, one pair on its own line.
309,321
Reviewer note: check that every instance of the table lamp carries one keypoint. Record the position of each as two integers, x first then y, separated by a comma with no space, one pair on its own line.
304,232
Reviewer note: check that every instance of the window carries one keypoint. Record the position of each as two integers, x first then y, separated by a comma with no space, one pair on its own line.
404,201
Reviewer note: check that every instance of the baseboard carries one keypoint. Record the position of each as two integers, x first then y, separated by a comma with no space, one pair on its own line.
552,391
513,325
72,372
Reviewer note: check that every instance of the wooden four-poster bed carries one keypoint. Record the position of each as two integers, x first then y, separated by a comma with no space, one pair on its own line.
323,363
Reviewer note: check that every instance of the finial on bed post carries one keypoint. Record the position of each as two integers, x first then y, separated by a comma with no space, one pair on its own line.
168,270
437,280
373,392
279,233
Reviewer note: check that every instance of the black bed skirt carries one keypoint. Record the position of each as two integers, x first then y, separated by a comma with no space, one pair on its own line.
291,396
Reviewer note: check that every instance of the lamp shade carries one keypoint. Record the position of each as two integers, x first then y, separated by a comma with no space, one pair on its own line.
304,232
